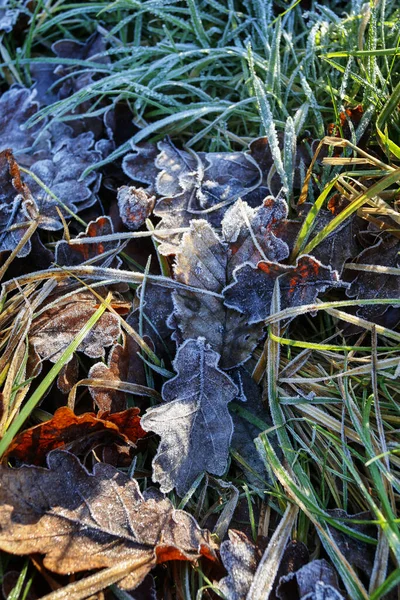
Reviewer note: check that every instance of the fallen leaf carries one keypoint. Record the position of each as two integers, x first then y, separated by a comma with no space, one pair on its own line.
317,580
196,186
140,166
17,105
75,254
61,172
68,375
370,284
17,206
135,206
249,232
195,425
359,554
202,262
123,365
79,434
83,521
244,431
252,291
55,329
93,50
296,555
240,558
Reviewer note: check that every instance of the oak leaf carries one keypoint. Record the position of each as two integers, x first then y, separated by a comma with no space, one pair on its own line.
84,521
194,423
202,262
56,328
17,206
195,186
75,254
317,580
79,434
240,557
252,291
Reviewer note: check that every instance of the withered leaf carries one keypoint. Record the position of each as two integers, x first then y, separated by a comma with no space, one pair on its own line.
317,580
17,105
123,365
83,521
245,432
359,554
197,186
249,232
61,173
55,329
369,284
300,284
79,434
195,425
92,49
202,263
17,206
341,244
135,205
75,254
240,558
140,166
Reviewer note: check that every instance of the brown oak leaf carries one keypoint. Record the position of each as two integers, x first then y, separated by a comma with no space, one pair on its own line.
123,365
78,434
76,254
84,521
54,330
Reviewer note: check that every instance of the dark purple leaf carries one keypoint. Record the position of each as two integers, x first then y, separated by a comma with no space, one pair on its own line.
17,105
252,291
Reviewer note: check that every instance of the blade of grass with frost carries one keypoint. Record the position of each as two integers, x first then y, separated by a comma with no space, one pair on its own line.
314,105
289,153
144,133
48,380
273,79
269,564
268,123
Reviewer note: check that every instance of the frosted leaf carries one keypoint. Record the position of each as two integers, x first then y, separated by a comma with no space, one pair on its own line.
56,328
61,173
82,521
317,580
249,232
240,558
194,425
202,262
135,206
252,291
17,206
92,49
140,166
197,186
365,284
75,254
17,105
